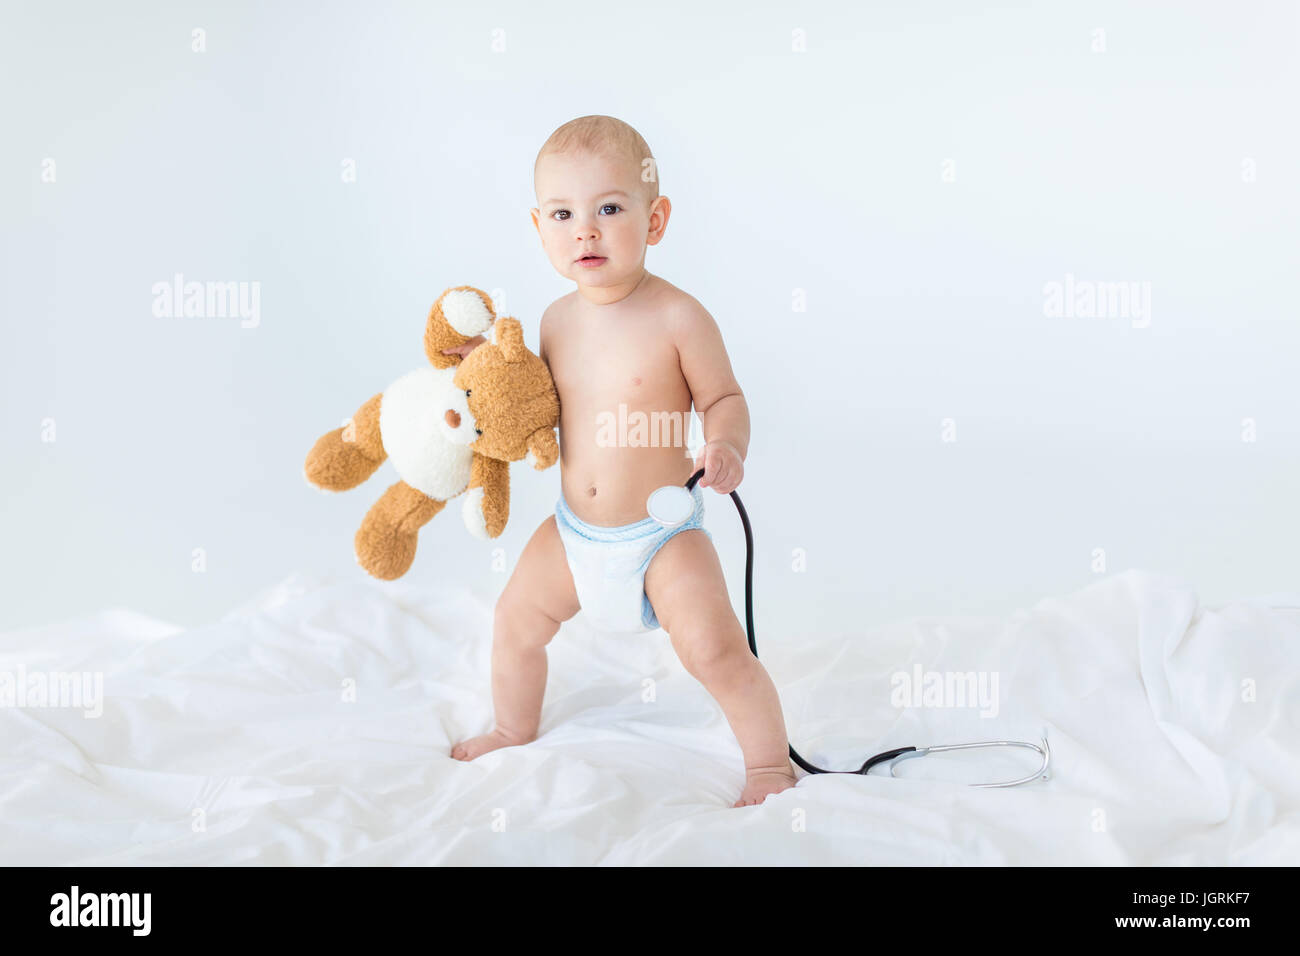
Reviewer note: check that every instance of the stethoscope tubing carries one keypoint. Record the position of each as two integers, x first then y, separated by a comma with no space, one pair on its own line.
888,755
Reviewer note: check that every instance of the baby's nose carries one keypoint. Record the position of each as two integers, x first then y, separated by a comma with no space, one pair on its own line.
452,418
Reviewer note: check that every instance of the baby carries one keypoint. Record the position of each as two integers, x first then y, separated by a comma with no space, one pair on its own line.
627,338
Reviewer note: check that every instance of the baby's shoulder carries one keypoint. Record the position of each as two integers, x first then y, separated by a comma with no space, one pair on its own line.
552,318
675,302
682,310
558,309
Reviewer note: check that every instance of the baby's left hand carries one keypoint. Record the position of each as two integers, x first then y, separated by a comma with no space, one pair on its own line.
723,467
465,348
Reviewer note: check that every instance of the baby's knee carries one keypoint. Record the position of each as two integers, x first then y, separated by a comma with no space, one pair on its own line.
713,648
522,622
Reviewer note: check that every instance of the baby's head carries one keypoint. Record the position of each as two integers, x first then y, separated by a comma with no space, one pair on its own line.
598,193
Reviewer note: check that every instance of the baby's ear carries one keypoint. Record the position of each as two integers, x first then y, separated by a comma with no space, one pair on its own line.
543,449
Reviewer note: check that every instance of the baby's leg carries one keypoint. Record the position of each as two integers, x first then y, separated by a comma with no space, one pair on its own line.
538,597
686,588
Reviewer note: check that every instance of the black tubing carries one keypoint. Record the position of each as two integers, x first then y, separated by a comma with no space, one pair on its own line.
753,645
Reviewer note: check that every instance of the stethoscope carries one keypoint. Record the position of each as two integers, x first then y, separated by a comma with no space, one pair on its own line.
672,506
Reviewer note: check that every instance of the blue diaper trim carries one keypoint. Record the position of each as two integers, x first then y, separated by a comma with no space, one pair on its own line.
647,530
644,528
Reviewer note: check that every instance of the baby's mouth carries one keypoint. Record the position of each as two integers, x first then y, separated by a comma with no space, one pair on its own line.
591,261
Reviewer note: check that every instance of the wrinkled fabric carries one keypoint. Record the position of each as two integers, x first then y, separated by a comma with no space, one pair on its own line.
313,726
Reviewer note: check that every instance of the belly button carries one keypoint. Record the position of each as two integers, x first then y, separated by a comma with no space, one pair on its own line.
591,491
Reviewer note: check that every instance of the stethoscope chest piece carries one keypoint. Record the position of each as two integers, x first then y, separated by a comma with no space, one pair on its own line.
671,505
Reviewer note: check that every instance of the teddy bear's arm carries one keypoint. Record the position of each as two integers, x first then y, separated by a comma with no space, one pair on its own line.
347,456
487,501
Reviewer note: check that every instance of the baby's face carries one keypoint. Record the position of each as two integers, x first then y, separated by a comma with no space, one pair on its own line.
595,205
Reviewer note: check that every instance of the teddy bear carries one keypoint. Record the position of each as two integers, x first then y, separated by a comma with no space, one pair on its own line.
451,427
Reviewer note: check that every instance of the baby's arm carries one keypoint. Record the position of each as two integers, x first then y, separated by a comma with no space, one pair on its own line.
543,330
724,414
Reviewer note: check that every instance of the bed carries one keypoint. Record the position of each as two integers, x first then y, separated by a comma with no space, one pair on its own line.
313,725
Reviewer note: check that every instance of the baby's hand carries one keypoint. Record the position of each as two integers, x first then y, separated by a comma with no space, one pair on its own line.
723,467
465,348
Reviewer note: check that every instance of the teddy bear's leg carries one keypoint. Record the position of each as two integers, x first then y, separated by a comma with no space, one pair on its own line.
347,456
459,315
386,539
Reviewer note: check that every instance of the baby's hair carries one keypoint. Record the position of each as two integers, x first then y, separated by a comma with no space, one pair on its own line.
605,136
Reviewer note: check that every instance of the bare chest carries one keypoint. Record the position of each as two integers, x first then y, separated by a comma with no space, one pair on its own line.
632,359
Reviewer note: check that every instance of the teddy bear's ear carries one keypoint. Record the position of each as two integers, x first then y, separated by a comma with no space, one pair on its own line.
543,449
467,310
508,335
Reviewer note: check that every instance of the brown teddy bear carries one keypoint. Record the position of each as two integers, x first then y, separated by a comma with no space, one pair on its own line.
452,427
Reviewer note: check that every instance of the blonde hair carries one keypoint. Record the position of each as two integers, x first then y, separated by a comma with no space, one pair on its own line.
605,136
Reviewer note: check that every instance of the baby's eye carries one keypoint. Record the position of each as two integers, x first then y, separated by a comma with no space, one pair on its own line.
610,205
558,212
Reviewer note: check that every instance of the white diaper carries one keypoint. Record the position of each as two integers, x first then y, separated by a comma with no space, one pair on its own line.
609,564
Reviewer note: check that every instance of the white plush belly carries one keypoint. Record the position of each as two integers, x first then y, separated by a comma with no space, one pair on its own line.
410,421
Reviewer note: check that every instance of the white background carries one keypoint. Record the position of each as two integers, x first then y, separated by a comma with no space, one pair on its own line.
819,171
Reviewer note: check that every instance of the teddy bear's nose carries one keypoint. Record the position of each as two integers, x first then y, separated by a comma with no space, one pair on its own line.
452,418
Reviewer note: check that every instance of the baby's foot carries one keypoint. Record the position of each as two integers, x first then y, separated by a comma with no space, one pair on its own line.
477,746
762,781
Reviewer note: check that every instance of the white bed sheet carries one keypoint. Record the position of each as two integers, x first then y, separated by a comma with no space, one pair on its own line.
1157,758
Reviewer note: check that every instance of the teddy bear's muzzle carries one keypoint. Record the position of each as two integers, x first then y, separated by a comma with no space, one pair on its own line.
457,421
